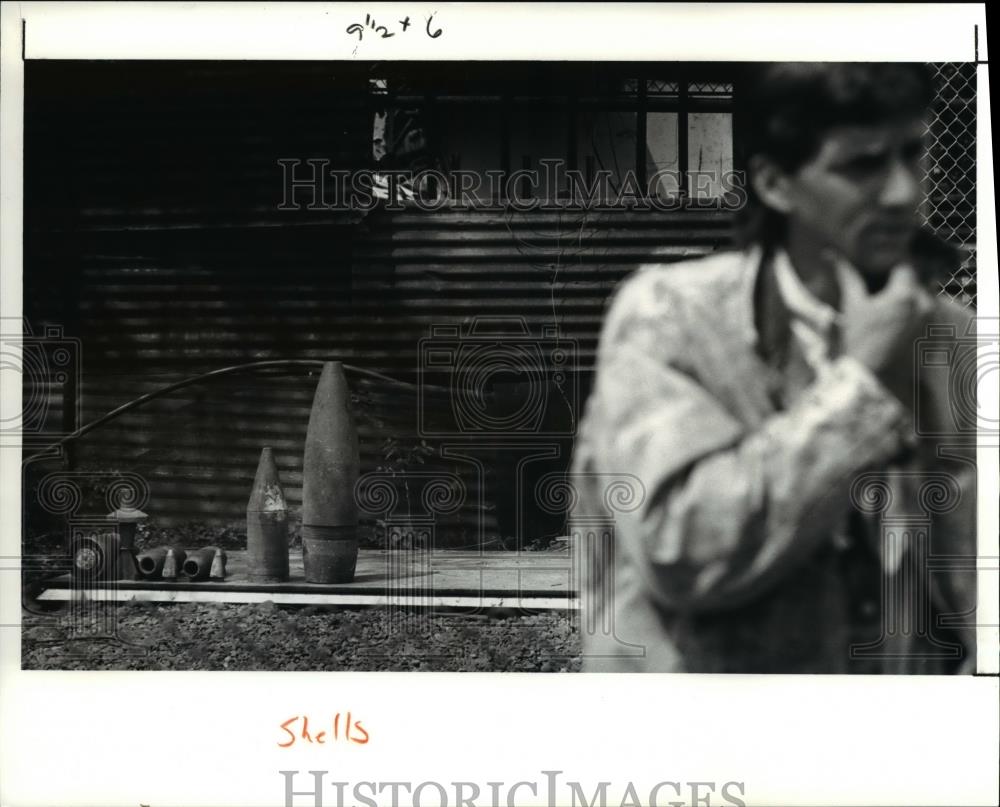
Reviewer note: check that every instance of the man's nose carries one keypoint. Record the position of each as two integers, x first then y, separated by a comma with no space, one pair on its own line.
902,187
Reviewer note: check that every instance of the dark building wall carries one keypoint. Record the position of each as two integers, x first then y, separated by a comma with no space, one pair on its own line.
153,236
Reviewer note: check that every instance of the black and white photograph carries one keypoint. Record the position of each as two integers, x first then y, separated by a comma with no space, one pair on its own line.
371,364
662,367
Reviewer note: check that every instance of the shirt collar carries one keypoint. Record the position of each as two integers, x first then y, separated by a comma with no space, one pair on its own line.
754,258
800,302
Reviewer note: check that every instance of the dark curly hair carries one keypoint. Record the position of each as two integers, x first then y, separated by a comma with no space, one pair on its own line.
785,109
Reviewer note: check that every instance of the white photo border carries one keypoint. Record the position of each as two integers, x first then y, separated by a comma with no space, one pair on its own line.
66,737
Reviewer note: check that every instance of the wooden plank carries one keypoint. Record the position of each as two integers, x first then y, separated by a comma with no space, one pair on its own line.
391,574
565,602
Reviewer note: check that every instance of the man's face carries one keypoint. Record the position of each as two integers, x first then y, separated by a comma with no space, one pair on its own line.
860,193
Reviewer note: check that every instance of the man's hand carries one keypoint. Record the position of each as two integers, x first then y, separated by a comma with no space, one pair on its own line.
880,329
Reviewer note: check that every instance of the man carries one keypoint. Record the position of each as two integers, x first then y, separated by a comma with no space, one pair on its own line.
760,409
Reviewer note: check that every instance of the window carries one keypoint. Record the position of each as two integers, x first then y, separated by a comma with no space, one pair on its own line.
668,136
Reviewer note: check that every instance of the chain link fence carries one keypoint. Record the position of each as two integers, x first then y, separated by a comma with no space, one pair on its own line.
951,172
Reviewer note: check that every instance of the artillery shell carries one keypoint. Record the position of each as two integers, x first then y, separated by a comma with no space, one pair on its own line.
267,524
330,469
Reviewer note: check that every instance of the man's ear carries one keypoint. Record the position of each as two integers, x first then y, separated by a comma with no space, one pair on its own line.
770,183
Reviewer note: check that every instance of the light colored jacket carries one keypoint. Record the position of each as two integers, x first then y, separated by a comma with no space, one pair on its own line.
712,465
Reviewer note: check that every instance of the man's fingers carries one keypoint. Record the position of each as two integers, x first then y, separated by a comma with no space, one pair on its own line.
902,282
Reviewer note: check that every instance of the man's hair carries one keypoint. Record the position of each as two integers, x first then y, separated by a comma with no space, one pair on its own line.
785,109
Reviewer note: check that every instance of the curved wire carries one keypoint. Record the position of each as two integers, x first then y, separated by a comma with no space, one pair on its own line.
236,368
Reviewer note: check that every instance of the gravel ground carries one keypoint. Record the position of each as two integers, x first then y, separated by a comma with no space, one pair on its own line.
195,636
154,636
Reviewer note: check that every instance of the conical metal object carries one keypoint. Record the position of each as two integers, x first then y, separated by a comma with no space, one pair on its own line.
330,470
218,570
173,563
267,524
199,563
151,562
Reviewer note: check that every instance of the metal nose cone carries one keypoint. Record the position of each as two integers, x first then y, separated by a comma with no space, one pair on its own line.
330,469
266,494
267,524
218,570
173,563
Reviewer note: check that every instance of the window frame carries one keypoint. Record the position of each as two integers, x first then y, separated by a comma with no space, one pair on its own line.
510,102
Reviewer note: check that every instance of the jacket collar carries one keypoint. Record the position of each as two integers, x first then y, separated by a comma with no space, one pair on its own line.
765,319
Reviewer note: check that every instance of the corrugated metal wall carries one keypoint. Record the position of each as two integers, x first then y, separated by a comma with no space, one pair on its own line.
159,303
153,237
